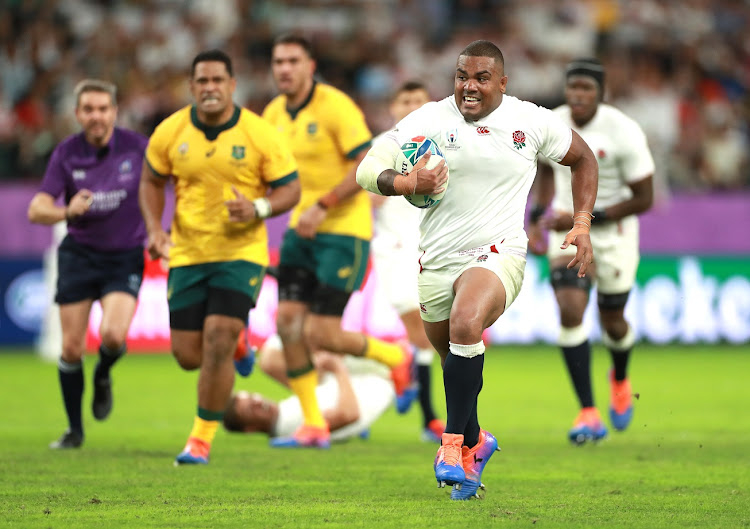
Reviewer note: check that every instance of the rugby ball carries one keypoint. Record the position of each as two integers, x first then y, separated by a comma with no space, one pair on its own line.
407,158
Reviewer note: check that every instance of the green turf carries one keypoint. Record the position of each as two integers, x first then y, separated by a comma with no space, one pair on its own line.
683,463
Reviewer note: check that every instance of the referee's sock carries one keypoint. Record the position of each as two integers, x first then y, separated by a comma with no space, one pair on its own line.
107,358
71,384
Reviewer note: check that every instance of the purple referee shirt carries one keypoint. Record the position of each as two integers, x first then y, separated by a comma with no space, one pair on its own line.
112,174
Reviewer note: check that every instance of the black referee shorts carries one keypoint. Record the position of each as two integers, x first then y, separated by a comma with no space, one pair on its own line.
85,273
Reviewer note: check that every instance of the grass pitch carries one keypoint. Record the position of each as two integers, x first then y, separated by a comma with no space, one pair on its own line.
683,463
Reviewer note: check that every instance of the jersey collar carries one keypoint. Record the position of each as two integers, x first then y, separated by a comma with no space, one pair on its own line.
212,133
294,111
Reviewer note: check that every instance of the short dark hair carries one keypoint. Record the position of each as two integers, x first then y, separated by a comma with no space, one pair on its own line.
212,56
95,85
588,66
299,40
409,86
483,48
231,418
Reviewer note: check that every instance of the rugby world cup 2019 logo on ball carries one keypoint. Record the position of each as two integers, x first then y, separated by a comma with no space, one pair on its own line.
409,156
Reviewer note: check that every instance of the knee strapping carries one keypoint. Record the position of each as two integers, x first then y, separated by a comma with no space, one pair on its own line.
467,351
572,336
623,344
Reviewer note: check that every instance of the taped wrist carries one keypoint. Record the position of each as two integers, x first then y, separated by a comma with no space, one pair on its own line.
262,208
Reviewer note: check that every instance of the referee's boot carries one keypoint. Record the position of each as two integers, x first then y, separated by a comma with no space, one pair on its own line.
101,405
69,439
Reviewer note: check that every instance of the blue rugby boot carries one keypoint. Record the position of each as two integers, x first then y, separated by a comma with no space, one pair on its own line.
195,453
404,378
587,427
620,402
448,467
306,436
244,356
474,460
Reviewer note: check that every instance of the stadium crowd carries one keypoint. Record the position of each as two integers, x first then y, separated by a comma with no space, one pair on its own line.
681,69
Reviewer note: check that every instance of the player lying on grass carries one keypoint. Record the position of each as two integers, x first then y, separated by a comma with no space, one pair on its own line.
353,393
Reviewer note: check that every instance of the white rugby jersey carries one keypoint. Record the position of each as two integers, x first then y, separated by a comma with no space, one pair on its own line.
621,149
492,164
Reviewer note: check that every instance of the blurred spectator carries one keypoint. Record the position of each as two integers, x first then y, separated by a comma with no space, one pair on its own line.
682,69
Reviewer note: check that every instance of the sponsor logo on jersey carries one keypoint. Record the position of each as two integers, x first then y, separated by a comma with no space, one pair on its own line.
344,272
183,148
253,281
481,258
312,128
519,139
483,131
211,152
79,174
601,154
423,308
126,166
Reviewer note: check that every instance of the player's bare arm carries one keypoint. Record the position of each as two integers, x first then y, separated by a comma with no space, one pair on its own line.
584,174
151,202
641,201
43,210
420,180
280,200
346,410
311,218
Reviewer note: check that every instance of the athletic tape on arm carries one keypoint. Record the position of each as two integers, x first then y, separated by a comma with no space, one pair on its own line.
380,157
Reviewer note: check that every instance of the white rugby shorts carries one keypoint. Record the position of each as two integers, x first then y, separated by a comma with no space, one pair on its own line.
436,286
616,253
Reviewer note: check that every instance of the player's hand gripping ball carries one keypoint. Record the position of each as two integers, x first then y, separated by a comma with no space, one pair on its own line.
407,158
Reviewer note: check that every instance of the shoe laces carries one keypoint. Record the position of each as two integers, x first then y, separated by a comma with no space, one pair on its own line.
451,454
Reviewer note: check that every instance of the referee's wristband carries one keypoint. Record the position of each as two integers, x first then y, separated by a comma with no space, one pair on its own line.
599,216
262,208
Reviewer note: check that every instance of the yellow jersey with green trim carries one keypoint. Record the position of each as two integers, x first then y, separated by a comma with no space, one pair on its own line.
325,134
205,162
